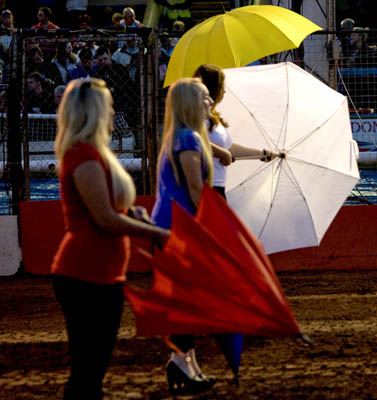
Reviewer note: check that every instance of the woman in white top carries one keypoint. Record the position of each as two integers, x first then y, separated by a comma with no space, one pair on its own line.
224,150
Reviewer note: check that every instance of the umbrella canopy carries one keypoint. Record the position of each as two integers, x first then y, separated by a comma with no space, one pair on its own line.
288,203
201,286
237,38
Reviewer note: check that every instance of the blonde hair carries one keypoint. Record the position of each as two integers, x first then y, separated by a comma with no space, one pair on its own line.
184,106
84,116
361,31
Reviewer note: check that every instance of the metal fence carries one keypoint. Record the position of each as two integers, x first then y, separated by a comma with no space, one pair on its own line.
338,61
33,75
38,68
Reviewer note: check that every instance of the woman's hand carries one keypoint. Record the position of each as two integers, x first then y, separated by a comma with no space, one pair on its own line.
269,155
225,156
140,213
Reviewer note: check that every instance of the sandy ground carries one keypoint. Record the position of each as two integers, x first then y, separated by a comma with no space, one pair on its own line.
338,310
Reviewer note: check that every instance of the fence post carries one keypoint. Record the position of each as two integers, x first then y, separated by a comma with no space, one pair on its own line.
151,131
331,39
16,176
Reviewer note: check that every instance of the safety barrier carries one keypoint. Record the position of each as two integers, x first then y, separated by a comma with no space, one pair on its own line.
348,244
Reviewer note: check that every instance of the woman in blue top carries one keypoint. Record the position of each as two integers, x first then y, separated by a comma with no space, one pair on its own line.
184,165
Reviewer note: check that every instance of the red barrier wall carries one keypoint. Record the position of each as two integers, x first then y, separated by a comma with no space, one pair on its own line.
350,242
42,228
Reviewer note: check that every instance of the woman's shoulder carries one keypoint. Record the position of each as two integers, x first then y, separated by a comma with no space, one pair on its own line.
187,139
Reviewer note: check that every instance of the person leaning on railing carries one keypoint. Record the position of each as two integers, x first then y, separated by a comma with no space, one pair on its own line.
361,54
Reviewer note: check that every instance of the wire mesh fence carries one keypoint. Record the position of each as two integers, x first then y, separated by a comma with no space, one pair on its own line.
134,69
118,60
348,66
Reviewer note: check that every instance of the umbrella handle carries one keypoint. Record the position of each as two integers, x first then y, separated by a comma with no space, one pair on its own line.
280,155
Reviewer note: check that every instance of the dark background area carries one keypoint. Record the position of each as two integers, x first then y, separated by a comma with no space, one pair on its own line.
363,12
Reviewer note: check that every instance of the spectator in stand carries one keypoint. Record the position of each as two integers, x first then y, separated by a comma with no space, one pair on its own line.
75,8
129,19
116,19
345,37
178,28
165,52
116,77
126,92
44,22
30,42
49,71
362,55
6,18
44,15
86,67
65,60
7,22
3,102
39,95
84,21
87,45
127,56
105,19
58,95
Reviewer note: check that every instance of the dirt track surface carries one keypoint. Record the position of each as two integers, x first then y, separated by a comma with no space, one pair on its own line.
338,310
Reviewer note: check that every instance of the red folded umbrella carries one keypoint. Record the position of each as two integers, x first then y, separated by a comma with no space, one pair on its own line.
211,277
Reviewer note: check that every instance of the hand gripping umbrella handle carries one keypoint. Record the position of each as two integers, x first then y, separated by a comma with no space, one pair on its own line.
261,157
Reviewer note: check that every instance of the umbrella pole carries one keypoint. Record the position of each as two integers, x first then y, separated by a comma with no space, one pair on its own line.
281,155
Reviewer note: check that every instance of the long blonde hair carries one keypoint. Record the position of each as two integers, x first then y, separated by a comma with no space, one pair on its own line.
84,115
184,107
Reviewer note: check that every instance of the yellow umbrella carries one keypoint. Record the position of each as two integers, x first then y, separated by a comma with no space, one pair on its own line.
237,38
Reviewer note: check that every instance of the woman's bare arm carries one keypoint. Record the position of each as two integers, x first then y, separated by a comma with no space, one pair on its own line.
239,151
191,162
224,155
90,181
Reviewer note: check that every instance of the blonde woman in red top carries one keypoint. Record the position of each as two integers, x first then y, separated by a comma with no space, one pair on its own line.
90,264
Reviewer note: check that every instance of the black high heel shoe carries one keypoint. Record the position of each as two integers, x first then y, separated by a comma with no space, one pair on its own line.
205,377
180,383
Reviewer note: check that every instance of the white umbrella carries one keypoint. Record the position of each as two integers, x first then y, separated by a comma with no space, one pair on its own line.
288,203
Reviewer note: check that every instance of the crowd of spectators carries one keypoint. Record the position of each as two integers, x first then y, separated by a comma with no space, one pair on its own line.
358,46
51,64
357,58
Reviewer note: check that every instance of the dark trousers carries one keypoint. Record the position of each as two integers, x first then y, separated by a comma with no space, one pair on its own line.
92,313
220,190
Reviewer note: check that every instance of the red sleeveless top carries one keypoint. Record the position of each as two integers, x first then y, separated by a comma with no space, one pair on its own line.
86,252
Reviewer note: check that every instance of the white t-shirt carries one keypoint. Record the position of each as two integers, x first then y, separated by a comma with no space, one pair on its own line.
219,136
